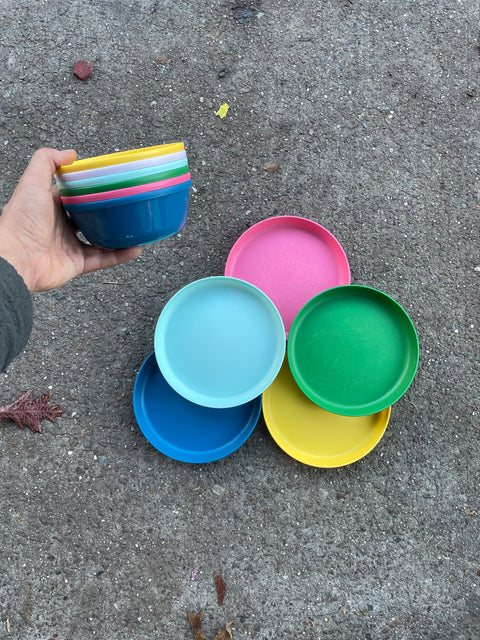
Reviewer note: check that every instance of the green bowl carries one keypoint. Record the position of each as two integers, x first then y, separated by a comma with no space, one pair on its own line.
121,184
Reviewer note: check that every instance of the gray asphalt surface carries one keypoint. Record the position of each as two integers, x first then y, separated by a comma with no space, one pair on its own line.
371,110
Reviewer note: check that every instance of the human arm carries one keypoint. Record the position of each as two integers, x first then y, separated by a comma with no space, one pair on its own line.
39,249
16,313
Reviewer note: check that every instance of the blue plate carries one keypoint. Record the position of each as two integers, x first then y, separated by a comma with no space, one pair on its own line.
183,430
220,342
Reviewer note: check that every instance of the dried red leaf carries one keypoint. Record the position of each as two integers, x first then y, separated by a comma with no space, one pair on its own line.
27,412
272,167
82,69
221,588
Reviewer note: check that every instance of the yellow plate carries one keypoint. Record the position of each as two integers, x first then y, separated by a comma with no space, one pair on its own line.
121,157
313,435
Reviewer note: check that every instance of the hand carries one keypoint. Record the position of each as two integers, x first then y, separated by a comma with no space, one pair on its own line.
36,236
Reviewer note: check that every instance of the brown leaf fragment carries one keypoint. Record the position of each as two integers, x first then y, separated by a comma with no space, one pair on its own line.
225,634
163,60
272,167
195,620
27,412
221,588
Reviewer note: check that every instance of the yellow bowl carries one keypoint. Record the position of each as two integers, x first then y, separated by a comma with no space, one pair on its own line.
122,156
313,435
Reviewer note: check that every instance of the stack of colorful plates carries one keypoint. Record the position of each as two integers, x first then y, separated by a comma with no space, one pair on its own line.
352,350
220,348
219,343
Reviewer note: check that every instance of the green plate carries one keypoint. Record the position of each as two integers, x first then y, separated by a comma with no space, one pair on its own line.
353,350
122,184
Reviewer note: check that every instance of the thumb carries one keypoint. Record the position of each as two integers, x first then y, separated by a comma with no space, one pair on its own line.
43,165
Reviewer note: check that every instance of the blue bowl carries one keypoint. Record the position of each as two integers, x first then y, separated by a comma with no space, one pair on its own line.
186,431
134,220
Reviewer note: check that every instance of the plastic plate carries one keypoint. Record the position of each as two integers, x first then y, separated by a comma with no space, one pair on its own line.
312,435
353,350
291,259
185,431
219,342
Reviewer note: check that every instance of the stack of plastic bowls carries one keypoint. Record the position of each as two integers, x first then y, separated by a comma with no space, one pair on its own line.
128,198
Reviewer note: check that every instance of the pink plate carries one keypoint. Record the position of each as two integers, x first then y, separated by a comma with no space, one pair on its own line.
291,259
127,191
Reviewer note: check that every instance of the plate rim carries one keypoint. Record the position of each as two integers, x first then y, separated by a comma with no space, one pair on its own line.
310,459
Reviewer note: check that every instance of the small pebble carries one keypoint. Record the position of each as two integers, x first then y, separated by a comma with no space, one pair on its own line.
218,490
82,69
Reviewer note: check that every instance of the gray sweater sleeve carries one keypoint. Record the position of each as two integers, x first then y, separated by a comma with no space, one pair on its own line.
16,313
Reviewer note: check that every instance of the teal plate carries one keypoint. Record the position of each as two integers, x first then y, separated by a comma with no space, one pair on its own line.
220,342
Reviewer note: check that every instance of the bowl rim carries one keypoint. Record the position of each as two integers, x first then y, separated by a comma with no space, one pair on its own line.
120,157
129,174
118,168
127,200
127,191
132,180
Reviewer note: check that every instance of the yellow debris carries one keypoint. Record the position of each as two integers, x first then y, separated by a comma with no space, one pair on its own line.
222,111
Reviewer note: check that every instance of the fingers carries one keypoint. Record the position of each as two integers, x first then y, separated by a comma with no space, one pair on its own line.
95,258
65,157
43,164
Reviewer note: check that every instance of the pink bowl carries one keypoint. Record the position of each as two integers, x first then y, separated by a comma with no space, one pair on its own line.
128,191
